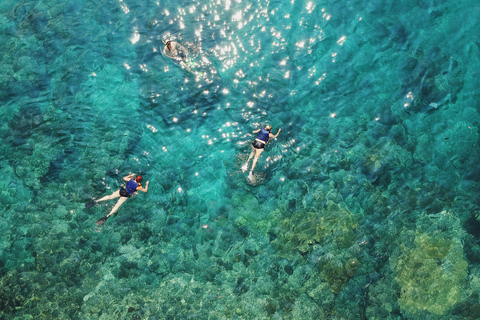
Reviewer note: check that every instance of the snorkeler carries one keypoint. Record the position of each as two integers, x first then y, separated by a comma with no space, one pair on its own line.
133,185
264,134
177,52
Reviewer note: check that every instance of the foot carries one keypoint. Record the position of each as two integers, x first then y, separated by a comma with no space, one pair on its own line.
90,204
101,221
250,176
245,167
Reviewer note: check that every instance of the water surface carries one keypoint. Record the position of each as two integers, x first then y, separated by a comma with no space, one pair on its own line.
364,207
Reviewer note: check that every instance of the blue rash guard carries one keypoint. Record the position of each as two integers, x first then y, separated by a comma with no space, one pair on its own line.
131,186
263,135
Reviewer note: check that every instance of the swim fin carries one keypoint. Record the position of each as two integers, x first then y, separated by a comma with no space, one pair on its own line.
101,221
90,204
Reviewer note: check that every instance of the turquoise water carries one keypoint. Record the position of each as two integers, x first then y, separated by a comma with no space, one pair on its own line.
364,207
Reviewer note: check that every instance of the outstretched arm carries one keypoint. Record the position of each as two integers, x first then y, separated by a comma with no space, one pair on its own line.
256,131
129,177
140,188
274,136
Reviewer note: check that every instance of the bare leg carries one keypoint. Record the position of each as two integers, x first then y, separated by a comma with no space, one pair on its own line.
251,154
258,153
117,206
114,195
245,166
184,65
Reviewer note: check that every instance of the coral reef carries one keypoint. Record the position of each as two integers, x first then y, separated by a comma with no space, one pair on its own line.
364,207
431,274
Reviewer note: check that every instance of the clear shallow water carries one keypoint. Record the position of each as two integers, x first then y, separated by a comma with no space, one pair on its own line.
366,203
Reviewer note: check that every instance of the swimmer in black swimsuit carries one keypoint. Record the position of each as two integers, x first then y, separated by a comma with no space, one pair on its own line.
133,185
264,135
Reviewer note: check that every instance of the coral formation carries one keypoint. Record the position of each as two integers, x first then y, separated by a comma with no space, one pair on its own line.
299,230
365,206
431,274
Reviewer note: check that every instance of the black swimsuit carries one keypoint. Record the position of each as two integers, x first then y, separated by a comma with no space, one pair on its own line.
124,193
258,145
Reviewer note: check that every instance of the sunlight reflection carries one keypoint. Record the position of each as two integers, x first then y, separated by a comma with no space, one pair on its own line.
149,126
334,54
237,16
341,40
320,79
240,73
135,37
310,7
271,159
326,16
300,44
124,7
409,98
287,145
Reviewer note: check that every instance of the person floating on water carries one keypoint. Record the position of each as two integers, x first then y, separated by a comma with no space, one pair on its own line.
177,52
133,185
264,135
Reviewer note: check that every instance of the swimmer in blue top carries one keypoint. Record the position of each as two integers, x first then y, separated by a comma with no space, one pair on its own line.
133,185
264,134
